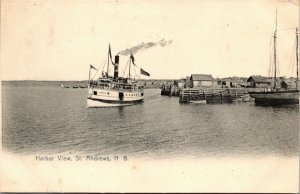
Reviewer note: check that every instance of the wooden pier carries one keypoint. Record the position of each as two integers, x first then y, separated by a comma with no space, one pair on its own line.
170,90
213,95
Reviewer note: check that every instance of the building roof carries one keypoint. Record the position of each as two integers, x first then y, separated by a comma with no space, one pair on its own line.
201,77
258,79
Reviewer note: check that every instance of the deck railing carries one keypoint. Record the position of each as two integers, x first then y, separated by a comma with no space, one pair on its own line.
117,88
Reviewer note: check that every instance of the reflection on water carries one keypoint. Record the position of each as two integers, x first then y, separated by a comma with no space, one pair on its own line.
54,120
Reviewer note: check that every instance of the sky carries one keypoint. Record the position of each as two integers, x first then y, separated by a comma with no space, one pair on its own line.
58,40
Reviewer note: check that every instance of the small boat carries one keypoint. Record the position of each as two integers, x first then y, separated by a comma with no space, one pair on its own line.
63,86
278,96
244,98
114,91
198,102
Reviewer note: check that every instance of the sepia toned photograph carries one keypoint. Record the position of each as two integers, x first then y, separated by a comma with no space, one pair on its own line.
149,96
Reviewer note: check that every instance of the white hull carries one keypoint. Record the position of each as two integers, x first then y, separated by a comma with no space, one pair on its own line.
98,104
113,98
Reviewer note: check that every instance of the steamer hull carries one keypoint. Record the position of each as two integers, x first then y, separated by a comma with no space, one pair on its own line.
110,98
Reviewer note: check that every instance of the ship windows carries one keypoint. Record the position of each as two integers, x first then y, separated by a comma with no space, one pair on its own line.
95,92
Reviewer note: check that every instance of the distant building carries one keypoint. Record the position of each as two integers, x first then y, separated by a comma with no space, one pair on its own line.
287,84
187,81
201,80
284,84
259,82
179,83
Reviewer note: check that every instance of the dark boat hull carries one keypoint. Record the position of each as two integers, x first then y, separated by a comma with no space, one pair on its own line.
276,97
261,101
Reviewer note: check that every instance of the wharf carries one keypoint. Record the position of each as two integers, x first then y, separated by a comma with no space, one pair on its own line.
170,90
213,95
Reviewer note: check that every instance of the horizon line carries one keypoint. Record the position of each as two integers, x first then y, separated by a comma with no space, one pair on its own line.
149,79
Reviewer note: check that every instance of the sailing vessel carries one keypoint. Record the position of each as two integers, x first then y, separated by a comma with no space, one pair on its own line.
278,96
114,91
63,86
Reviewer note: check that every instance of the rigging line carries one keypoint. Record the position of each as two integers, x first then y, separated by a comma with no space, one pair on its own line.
272,62
125,68
291,61
134,71
277,62
278,70
98,70
95,74
270,58
104,65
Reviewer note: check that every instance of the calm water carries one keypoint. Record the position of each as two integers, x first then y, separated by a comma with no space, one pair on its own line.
51,120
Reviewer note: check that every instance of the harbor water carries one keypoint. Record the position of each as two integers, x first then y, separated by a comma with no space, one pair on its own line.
53,120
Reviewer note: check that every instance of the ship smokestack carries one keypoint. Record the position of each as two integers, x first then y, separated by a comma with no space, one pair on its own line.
116,70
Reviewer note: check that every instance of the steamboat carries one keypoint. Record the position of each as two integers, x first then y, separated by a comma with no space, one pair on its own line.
115,91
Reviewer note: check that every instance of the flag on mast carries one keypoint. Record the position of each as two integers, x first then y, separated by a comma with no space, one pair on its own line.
132,58
109,52
92,67
110,56
144,72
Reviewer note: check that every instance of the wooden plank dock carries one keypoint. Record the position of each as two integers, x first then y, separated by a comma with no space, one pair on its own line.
213,95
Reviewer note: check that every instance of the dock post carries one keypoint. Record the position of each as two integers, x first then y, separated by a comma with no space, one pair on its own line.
221,96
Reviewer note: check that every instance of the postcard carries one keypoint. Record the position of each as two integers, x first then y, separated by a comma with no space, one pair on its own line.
149,96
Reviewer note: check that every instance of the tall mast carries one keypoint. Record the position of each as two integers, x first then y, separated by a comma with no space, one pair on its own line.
275,64
108,59
89,77
129,65
297,54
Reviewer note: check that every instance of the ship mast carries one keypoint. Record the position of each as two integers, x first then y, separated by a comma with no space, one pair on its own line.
297,54
129,65
275,64
108,59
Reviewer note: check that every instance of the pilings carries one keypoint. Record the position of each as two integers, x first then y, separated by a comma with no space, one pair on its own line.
170,90
212,95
